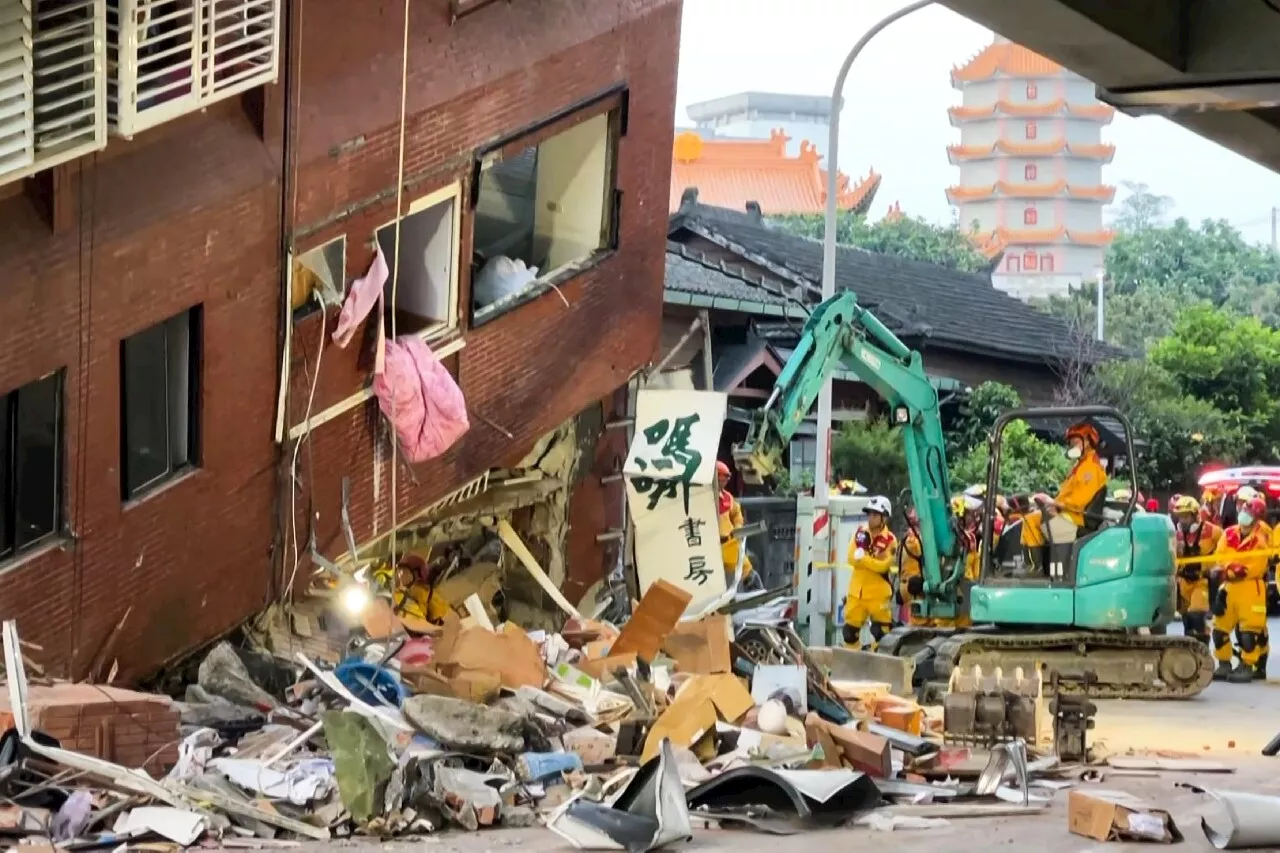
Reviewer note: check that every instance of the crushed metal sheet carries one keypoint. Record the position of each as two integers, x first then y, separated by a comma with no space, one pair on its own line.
650,812
1245,819
819,796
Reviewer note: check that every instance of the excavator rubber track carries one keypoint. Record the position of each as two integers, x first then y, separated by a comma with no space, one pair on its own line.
1125,666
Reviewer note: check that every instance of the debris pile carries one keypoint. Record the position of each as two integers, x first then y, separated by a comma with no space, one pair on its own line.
612,738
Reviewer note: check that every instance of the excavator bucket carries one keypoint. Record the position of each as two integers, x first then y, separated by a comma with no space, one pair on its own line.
753,467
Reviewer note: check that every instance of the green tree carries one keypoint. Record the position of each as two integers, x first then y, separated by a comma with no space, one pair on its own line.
1233,364
1132,321
908,237
1141,208
1027,464
977,415
1180,432
871,453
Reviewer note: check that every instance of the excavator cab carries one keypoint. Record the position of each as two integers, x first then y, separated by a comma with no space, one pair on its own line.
1096,574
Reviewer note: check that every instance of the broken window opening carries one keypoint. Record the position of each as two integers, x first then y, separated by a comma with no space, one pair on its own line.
542,211
425,298
321,270
160,370
31,424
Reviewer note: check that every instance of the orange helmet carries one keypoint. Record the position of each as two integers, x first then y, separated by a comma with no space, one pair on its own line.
1085,431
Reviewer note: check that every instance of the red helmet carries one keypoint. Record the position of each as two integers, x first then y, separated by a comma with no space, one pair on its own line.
722,469
1256,507
1153,505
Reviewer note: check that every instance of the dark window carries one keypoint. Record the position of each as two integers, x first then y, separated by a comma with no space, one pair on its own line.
31,464
541,210
160,369
1029,172
1032,91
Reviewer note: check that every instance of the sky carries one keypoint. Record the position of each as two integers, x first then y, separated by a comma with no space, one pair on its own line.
896,99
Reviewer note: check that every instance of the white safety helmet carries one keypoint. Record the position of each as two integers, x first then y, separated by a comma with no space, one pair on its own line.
1246,493
881,505
978,490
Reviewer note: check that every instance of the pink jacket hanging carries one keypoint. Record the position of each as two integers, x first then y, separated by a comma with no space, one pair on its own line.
420,399
365,293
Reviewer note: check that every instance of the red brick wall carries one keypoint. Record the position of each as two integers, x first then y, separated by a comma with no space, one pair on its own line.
187,215
541,363
191,213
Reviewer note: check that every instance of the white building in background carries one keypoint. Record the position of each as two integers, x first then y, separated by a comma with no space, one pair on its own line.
755,115
1030,159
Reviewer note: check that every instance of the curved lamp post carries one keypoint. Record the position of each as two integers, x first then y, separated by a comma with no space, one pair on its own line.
821,472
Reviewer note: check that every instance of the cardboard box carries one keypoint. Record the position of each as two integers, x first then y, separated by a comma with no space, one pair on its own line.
703,701
816,734
1118,816
864,751
508,652
598,668
659,611
703,646
591,745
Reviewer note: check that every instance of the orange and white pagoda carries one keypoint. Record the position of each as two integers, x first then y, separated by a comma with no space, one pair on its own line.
732,172
1031,157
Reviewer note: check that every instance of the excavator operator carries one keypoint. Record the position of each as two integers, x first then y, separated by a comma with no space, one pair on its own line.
1196,538
872,553
731,519
1241,603
1066,513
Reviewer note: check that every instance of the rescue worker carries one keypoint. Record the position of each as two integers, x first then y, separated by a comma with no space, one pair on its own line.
872,553
413,586
1196,538
731,519
910,572
1080,487
1241,605
967,508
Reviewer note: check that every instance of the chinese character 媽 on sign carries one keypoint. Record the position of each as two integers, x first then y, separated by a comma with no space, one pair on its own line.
673,440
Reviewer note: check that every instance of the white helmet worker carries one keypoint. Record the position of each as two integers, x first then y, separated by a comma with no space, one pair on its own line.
880,504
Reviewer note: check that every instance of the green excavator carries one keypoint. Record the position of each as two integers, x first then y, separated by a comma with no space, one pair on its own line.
1077,607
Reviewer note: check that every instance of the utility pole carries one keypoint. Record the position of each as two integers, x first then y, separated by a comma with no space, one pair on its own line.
1102,278
1275,249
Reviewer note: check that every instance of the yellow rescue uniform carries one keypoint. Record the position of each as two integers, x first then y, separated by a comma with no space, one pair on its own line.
870,596
1242,600
910,555
1193,578
730,520
1082,485
972,571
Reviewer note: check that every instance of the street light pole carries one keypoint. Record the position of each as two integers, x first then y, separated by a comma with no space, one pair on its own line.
821,469
822,472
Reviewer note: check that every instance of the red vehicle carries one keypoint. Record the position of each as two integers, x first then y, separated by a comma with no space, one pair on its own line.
1266,480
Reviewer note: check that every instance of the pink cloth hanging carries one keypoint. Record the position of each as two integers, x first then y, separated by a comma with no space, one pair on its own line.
421,400
365,293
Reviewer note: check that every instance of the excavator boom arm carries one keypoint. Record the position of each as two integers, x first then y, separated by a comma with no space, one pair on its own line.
840,334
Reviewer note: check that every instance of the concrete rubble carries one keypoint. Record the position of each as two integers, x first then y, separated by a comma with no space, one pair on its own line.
631,737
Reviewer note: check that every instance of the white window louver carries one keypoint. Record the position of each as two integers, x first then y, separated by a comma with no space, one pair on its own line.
168,58
52,83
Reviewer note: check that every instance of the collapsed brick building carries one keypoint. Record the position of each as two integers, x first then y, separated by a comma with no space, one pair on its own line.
176,191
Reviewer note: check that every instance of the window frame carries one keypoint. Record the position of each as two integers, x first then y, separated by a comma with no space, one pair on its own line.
194,406
310,306
10,550
1047,262
1029,261
613,103
1030,172
1030,216
1033,91
1013,264
452,190
1031,130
